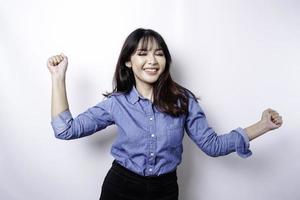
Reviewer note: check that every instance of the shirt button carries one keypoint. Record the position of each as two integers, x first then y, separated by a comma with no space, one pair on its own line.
151,154
152,135
150,169
151,118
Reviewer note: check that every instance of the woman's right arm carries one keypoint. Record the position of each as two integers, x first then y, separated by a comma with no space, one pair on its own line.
64,125
57,66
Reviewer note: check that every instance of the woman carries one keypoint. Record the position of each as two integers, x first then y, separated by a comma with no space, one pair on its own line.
151,112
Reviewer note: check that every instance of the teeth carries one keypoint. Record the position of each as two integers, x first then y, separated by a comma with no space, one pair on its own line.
152,70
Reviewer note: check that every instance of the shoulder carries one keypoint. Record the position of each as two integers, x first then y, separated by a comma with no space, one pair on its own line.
194,105
113,99
191,97
107,102
114,96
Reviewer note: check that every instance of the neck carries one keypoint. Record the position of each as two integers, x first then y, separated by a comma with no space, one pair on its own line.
145,90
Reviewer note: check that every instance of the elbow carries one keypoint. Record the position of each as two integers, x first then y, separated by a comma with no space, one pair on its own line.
65,132
59,136
212,154
214,146
209,151
213,150
65,135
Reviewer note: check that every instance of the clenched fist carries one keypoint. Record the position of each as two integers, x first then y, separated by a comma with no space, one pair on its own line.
271,119
57,65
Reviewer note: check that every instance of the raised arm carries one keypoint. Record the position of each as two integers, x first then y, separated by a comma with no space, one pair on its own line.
65,127
57,66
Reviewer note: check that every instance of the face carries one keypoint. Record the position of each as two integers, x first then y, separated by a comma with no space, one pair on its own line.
147,63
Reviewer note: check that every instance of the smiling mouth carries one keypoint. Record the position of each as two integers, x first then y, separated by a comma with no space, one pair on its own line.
151,69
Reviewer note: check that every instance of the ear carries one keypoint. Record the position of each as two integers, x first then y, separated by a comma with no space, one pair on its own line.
128,64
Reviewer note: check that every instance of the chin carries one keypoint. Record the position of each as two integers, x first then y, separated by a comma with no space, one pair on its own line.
151,81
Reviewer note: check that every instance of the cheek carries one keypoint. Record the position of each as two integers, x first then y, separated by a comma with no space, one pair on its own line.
138,62
162,62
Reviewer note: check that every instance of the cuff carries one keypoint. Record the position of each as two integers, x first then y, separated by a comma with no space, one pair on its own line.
61,122
242,144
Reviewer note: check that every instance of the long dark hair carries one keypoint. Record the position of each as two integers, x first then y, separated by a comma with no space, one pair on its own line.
169,96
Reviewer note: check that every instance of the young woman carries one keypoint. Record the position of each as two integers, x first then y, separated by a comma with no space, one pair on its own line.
151,112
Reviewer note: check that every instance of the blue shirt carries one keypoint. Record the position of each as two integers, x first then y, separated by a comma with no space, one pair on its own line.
149,142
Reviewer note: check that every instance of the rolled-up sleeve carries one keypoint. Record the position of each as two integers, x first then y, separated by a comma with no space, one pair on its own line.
243,144
208,140
92,120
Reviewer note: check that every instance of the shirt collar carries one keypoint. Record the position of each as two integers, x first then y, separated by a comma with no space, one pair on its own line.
134,95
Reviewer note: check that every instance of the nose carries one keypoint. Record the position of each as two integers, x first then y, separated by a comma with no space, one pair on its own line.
151,59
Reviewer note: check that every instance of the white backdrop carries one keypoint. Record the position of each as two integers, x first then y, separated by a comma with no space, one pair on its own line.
240,57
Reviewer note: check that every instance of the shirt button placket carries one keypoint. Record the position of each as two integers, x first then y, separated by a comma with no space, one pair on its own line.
152,146
151,152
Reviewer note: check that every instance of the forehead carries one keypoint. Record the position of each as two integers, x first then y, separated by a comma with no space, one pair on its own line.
148,43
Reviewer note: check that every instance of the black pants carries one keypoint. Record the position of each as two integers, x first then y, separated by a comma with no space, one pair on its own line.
123,184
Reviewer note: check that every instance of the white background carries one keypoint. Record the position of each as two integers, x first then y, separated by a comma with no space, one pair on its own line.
240,57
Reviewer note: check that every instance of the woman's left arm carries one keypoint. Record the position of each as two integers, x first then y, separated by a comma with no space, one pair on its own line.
270,120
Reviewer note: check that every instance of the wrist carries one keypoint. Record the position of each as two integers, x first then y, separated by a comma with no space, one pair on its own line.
256,130
58,78
262,126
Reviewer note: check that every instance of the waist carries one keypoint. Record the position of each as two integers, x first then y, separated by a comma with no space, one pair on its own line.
116,167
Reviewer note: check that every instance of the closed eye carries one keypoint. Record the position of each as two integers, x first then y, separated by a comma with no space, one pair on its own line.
160,54
144,53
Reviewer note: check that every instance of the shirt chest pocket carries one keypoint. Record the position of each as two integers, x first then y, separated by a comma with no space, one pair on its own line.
175,135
